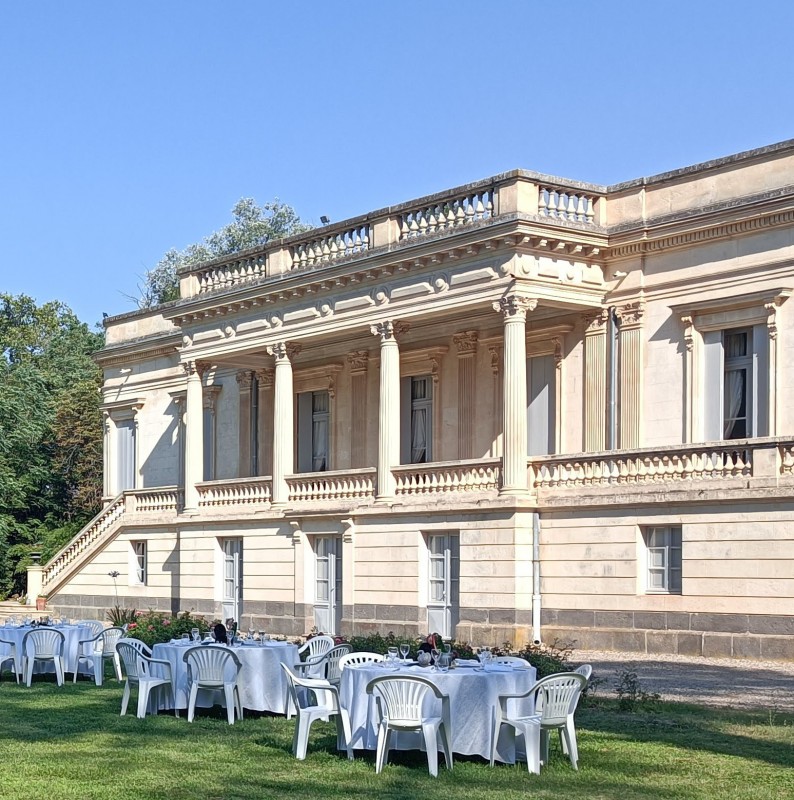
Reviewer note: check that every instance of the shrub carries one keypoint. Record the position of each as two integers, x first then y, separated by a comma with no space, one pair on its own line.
120,617
548,659
630,693
154,627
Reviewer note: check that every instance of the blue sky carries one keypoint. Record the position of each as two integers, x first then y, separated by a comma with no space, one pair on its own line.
131,128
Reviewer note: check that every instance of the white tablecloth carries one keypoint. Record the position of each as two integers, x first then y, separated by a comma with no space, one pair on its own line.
472,699
72,635
262,683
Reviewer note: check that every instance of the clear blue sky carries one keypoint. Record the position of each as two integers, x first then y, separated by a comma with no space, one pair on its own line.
130,128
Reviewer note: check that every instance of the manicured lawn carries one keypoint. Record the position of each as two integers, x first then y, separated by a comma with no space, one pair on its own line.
71,743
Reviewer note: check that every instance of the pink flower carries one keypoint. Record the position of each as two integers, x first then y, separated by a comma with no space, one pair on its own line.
166,622
151,627
132,625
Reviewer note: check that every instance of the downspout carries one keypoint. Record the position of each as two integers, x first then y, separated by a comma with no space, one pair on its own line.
536,597
612,379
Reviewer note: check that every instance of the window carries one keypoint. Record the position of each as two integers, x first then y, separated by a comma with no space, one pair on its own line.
314,417
328,583
541,396
736,381
663,545
416,411
125,455
443,603
140,559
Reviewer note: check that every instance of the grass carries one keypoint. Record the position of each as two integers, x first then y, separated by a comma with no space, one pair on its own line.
70,742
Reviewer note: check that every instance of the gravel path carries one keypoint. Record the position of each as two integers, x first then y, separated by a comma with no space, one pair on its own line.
707,681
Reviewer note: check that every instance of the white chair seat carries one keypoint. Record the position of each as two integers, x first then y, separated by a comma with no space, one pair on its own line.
140,670
42,644
207,668
98,649
10,656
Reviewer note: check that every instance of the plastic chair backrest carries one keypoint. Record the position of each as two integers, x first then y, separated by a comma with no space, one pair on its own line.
140,646
359,658
317,686
46,642
206,664
333,670
400,699
559,694
110,638
586,670
317,646
511,661
94,624
131,655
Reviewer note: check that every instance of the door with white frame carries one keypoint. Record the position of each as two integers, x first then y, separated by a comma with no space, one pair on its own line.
232,589
443,603
328,583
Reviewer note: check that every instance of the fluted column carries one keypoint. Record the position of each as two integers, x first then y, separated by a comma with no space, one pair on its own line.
283,451
514,459
595,390
466,344
388,406
194,434
266,380
630,386
244,384
358,361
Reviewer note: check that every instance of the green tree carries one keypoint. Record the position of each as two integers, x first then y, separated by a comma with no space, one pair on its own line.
253,226
50,431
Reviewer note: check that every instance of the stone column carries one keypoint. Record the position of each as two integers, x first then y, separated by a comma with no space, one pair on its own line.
497,399
388,406
266,409
283,450
194,434
244,382
514,459
466,344
358,361
631,378
595,391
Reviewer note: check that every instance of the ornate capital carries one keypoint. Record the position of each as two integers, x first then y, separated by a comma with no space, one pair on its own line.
515,306
596,323
466,342
358,360
389,330
211,397
631,314
283,352
192,368
266,378
495,352
244,380
348,530
689,337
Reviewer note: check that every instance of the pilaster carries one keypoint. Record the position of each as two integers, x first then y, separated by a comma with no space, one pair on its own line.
359,362
631,373
466,344
244,382
595,395
194,433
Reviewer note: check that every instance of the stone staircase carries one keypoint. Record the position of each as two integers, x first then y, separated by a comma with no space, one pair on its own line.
11,608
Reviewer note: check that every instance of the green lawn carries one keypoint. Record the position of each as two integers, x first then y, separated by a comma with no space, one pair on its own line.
71,743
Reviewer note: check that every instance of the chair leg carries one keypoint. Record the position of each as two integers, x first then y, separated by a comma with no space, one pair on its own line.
431,745
382,752
544,746
300,742
28,670
239,703
143,699
76,670
125,698
117,665
495,727
569,734
173,700
532,747
446,744
344,735
228,693
99,669
58,662
191,703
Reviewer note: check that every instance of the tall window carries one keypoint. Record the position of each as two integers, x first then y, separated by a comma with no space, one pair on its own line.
140,559
443,601
421,419
737,380
663,546
125,455
314,417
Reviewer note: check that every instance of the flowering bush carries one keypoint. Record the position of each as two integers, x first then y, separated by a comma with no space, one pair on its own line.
153,627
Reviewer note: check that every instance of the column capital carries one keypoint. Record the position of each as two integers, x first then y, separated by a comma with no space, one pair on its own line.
515,306
192,368
283,352
466,342
631,314
389,330
266,378
244,379
596,323
358,361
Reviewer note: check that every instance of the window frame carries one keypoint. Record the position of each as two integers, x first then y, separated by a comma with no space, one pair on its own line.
669,544
140,562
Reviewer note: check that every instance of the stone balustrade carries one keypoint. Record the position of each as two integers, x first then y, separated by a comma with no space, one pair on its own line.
355,484
166,498
231,272
568,204
324,248
476,475
102,524
234,492
447,213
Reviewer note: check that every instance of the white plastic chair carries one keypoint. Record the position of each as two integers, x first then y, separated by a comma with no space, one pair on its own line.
326,704
355,659
333,669
96,625
511,661
315,648
140,646
10,656
400,701
207,666
586,670
47,645
140,670
556,698
102,647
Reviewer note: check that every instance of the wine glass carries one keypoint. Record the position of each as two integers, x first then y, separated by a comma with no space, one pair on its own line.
405,648
435,653
392,656
195,634
251,633
261,637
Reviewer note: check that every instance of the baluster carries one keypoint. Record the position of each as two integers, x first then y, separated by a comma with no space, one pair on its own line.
590,210
366,237
404,229
489,204
460,214
562,205
469,202
479,210
422,223
414,226
543,208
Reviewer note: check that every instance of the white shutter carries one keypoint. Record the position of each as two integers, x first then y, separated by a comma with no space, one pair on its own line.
405,420
760,382
713,378
305,432
125,464
540,405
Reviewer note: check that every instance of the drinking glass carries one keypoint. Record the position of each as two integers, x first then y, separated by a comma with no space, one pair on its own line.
435,653
196,634
251,634
261,637
405,648
185,638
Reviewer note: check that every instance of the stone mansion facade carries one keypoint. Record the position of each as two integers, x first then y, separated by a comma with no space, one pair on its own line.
523,409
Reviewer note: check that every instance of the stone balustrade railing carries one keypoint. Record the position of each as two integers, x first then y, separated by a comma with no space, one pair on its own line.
707,461
102,524
166,498
234,492
447,213
475,475
568,204
353,484
230,273
321,249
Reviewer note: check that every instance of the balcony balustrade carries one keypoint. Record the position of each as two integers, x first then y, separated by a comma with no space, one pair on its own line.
356,484
456,476
234,492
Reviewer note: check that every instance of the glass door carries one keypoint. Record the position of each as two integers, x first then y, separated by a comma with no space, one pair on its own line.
444,590
232,578
328,584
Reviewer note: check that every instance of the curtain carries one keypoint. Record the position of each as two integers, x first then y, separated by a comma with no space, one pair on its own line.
320,406
734,395
419,435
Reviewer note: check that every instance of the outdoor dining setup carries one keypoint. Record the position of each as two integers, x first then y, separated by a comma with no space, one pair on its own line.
492,706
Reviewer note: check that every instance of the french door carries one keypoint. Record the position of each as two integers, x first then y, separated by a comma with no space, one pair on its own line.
232,578
443,604
328,584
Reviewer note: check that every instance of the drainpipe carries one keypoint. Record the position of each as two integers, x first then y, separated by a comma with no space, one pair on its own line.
612,379
536,578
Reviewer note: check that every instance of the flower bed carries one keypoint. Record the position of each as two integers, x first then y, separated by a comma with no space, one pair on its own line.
154,627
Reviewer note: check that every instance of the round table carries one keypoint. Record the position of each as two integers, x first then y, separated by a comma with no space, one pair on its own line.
261,683
472,699
72,635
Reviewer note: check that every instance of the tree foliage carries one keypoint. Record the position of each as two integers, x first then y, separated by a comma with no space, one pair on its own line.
50,431
253,226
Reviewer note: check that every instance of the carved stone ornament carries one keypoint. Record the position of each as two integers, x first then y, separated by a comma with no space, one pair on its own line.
631,313
283,351
495,352
515,305
358,360
244,379
689,327
466,342
389,330
596,323
195,368
266,377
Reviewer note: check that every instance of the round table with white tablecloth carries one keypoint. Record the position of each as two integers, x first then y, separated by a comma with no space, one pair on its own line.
72,635
261,683
472,694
